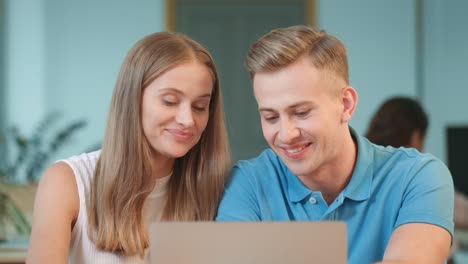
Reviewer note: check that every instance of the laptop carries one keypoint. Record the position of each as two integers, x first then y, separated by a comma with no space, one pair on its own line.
248,242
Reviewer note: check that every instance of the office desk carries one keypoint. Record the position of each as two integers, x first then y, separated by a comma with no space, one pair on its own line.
13,252
12,257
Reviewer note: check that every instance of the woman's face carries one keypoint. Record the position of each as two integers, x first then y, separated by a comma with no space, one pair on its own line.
175,109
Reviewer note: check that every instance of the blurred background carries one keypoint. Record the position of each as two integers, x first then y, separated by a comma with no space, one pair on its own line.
64,56
59,60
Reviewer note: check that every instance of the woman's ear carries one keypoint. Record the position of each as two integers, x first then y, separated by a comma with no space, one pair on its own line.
349,98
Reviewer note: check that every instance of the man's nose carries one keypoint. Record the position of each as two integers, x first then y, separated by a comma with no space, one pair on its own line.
288,131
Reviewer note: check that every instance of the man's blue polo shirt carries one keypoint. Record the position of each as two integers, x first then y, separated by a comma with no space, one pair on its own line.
389,187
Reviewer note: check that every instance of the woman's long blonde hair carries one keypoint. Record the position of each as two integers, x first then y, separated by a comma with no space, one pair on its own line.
122,179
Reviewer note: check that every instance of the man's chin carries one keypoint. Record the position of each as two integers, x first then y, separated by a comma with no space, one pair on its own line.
296,167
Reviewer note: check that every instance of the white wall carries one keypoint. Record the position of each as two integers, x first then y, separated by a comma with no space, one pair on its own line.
2,77
446,69
2,66
65,56
87,41
24,63
380,39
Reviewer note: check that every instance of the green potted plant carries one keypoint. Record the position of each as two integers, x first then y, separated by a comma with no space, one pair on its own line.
13,220
20,172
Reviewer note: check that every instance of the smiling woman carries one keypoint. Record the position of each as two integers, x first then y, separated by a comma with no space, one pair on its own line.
182,94
164,158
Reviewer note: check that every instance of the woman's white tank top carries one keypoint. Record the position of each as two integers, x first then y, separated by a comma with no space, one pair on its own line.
82,249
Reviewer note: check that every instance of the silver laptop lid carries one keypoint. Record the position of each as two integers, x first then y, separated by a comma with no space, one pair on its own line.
248,242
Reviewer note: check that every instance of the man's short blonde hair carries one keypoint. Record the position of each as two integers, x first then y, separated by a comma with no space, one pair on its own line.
282,47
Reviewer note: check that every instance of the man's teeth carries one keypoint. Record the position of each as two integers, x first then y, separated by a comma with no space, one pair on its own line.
292,151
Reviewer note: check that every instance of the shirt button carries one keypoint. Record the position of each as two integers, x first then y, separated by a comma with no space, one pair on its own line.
312,200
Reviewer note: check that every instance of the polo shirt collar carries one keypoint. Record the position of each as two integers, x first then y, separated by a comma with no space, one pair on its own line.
297,191
358,188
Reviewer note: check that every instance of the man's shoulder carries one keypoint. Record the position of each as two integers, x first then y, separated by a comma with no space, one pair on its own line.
403,156
406,162
387,157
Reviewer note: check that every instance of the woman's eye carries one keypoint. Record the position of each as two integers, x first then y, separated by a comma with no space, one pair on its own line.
201,105
200,108
169,102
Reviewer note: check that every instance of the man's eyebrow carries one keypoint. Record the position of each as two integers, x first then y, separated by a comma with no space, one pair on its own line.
300,104
266,109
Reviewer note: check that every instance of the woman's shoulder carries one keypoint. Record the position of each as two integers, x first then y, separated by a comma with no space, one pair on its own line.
83,165
58,187
57,175
56,207
84,158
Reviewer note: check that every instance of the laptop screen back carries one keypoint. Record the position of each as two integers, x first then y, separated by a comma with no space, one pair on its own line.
248,242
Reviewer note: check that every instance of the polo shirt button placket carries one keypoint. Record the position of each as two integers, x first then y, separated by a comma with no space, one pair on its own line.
312,200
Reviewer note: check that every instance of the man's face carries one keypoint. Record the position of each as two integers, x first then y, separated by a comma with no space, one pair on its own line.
301,111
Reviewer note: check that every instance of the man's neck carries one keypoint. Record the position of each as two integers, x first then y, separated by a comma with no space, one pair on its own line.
331,178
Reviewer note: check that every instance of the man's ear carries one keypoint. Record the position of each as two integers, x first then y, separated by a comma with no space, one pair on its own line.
349,98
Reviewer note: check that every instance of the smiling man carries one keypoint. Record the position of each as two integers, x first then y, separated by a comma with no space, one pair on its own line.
397,203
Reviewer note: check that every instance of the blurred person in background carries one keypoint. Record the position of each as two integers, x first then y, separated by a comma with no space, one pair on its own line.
402,122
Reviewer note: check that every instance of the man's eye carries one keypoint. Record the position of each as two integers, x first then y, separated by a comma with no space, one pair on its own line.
302,113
